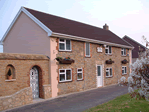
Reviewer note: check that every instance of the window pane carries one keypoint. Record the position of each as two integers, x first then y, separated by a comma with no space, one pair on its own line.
62,71
62,77
107,73
68,74
87,49
122,71
125,70
110,49
67,44
106,51
99,73
79,75
62,46
79,70
111,71
124,51
62,40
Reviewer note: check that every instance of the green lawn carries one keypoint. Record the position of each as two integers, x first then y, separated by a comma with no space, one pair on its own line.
122,103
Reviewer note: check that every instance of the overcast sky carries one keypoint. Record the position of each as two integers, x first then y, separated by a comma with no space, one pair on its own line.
124,17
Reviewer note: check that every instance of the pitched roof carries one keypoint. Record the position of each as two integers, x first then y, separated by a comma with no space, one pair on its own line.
71,27
136,46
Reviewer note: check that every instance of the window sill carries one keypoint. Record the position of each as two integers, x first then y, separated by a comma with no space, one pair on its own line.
10,80
108,54
65,81
65,50
123,55
87,56
109,76
80,79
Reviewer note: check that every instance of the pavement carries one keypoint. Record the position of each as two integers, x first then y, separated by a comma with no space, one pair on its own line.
76,102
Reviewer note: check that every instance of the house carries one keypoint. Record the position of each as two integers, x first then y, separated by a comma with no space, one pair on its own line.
137,47
91,57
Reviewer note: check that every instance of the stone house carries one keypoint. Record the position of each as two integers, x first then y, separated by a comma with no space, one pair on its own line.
90,57
137,47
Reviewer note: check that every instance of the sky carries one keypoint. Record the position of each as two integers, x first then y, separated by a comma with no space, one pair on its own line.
124,17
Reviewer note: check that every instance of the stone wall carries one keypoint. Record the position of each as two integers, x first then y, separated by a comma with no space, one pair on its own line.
47,91
20,98
89,66
22,64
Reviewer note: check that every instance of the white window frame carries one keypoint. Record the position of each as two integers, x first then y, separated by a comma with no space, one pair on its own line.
109,72
65,75
123,68
124,51
107,47
79,72
64,44
89,50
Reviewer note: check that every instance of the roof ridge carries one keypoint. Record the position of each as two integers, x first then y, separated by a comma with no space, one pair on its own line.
122,39
67,19
134,41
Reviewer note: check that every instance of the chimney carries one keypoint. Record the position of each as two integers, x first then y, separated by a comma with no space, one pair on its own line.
106,27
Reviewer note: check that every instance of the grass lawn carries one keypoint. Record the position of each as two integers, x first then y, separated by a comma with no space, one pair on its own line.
122,103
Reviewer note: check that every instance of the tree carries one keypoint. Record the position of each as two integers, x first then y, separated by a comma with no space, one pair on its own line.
140,74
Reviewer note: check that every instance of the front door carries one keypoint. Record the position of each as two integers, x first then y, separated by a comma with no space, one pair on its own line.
99,76
34,82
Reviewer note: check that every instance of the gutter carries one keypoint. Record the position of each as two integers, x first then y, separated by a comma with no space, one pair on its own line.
89,40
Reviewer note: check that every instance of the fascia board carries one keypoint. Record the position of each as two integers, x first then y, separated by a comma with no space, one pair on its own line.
88,40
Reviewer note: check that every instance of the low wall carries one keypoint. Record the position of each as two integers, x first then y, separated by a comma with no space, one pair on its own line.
20,98
20,66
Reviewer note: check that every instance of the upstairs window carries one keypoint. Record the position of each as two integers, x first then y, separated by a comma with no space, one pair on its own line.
108,50
87,49
123,52
108,72
64,45
124,70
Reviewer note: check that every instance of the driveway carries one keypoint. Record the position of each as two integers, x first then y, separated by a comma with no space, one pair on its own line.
76,102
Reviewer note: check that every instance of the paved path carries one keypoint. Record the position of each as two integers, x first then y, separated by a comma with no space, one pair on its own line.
76,102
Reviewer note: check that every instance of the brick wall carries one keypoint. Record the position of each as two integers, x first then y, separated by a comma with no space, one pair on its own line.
89,67
22,64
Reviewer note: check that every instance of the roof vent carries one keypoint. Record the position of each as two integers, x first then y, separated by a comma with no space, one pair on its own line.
106,27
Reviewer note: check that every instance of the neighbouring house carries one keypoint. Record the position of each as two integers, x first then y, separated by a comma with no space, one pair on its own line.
78,56
137,47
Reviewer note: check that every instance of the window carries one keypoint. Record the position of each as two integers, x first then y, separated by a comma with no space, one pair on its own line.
65,75
79,74
124,70
109,72
108,50
10,72
64,45
123,52
87,49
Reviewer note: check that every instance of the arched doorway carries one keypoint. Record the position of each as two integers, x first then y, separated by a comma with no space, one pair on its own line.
34,82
